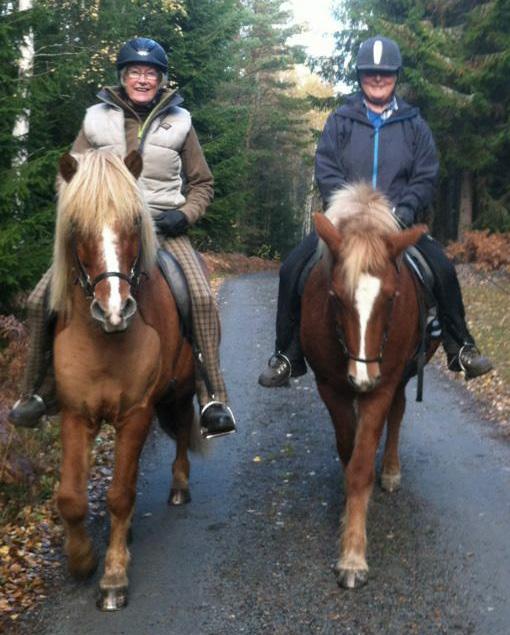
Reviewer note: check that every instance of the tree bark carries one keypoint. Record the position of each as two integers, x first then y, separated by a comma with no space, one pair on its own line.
26,66
465,203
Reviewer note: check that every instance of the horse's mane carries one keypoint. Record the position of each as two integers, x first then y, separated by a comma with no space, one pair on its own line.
364,217
102,192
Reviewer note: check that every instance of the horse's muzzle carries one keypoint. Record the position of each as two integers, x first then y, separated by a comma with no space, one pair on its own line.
364,385
114,322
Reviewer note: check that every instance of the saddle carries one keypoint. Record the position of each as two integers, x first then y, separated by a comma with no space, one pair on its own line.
174,277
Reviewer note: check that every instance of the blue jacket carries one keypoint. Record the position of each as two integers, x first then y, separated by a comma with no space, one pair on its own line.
398,157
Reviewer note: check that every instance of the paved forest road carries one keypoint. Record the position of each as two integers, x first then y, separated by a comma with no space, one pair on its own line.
252,552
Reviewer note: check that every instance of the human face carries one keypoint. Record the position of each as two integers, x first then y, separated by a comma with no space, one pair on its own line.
378,87
141,83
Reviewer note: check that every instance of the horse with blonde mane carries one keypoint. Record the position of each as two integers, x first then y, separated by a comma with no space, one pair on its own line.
118,348
360,328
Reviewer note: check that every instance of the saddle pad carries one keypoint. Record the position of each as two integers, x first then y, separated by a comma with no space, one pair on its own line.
419,267
174,276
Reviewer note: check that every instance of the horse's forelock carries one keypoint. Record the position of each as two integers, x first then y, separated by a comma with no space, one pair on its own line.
364,217
102,192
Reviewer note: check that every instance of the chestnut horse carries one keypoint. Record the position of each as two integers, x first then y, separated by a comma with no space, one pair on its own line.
118,347
359,329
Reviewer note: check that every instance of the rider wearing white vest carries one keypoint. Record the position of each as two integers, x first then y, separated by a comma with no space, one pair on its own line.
142,114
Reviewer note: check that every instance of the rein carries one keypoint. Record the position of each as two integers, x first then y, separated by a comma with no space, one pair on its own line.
88,285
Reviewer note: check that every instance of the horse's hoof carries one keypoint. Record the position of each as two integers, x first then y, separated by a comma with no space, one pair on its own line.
112,599
390,482
179,497
351,578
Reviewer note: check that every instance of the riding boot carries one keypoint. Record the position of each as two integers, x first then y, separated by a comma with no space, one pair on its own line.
39,388
216,417
288,360
458,343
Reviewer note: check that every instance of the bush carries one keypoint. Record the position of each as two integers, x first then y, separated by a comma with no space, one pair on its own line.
487,251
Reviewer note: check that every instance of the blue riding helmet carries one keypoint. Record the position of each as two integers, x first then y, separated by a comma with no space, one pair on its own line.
142,50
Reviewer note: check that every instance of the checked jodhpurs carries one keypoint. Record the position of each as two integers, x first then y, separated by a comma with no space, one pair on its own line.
206,321
39,375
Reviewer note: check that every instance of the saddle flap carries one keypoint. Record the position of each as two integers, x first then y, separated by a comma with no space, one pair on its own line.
176,280
419,267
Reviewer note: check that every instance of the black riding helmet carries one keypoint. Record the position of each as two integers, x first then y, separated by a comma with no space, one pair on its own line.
142,50
379,53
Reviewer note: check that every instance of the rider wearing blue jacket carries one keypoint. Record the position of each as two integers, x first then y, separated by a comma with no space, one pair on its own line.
376,137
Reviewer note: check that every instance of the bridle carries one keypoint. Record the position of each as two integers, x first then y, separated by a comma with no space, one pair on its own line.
340,335
364,360
89,286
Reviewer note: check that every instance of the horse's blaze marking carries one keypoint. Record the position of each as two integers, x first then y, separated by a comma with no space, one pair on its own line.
110,244
364,298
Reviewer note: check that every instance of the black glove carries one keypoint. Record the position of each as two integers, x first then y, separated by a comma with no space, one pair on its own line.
405,216
171,223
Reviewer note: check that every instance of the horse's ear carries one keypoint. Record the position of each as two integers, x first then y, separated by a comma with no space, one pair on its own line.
328,232
134,163
67,166
402,240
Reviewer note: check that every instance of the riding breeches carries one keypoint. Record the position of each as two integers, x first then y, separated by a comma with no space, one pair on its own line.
446,291
39,376
205,319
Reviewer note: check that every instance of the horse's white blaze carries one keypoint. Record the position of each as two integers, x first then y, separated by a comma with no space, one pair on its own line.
110,244
365,295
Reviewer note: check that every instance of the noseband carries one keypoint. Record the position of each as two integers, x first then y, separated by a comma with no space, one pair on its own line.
89,286
364,360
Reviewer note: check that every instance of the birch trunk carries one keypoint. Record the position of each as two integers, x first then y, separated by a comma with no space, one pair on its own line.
26,65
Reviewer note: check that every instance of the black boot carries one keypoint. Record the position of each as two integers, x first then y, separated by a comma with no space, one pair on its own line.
27,411
216,420
470,361
279,369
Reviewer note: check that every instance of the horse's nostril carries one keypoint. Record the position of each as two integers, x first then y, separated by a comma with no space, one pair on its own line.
352,380
97,311
129,308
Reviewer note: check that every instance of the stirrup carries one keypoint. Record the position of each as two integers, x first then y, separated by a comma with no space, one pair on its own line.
204,432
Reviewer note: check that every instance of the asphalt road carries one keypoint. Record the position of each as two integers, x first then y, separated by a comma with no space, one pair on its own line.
253,551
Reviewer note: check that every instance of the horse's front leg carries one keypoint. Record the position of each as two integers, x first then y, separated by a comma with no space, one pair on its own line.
390,475
341,410
352,568
121,495
72,500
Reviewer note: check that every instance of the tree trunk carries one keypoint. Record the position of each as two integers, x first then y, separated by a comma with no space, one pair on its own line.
26,64
465,203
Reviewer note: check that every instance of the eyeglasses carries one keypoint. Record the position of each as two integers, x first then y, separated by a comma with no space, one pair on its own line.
150,75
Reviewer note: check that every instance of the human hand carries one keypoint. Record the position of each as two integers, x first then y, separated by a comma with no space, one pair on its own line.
171,223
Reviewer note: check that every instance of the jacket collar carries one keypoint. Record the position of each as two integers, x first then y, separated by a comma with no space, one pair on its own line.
113,96
354,108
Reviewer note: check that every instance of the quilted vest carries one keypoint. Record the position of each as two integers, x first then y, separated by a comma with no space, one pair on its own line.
161,146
